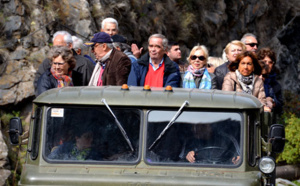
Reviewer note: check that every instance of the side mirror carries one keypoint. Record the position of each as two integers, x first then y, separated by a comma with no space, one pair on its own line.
277,137
15,130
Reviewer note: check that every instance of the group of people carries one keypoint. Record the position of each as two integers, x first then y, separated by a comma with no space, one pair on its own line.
243,68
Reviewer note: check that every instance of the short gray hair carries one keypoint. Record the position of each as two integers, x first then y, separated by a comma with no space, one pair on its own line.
122,46
109,20
164,40
65,53
109,45
67,36
77,43
247,35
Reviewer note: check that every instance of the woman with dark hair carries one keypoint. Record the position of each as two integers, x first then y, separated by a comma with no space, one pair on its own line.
61,73
244,77
272,88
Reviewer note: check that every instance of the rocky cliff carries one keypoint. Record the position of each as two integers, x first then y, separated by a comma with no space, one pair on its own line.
27,27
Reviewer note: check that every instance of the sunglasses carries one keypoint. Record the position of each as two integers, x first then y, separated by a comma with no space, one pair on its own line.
194,57
252,44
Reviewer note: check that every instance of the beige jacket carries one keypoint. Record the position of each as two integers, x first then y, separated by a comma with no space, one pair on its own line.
231,83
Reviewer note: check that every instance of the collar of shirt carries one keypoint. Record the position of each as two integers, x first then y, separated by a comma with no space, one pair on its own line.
154,68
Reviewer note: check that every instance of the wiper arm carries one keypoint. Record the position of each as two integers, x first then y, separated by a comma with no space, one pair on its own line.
118,124
170,123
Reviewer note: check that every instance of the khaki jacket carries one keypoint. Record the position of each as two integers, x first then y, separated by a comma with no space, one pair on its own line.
231,83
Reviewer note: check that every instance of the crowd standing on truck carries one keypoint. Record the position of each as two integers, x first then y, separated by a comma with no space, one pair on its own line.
161,66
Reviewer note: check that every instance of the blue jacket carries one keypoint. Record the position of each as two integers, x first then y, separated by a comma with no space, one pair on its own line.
139,71
273,90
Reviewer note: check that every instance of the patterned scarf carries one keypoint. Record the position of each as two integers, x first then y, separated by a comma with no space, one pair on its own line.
189,81
246,82
63,80
80,154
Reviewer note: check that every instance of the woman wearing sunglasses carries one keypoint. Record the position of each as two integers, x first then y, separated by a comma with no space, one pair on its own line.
60,74
273,92
244,77
197,75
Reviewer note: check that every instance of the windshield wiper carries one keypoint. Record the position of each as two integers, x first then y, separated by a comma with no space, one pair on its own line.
170,123
118,124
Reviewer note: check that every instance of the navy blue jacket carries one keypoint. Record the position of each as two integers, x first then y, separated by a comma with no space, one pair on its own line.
273,90
47,81
140,67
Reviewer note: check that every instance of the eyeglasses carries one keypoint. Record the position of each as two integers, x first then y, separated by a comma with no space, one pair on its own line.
93,47
58,63
252,44
268,62
194,57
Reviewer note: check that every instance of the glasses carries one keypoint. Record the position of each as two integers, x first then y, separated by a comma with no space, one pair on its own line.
268,62
194,57
58,63
94,46
252,44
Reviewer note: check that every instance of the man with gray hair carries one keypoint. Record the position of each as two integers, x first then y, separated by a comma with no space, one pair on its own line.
80,48
83,65
120,43
112,66
250,41
110,26
155,68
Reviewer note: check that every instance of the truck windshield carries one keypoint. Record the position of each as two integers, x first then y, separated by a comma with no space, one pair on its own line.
196,138
90,134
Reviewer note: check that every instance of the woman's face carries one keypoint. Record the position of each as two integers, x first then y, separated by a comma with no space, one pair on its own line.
233,51
246,66
59,66
196,62
268,61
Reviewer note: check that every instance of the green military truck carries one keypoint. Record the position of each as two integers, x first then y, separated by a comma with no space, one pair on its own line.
139,136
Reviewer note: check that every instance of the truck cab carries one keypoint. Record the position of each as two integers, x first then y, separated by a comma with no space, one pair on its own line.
117,135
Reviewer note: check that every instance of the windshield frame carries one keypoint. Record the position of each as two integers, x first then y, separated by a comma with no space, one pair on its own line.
186,164
44,137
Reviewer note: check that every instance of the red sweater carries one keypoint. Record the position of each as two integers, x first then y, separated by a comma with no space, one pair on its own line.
155,78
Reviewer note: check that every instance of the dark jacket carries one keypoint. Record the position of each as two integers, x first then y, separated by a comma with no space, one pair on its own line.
139,71
117,69
220,73
47,81
273,90
83,66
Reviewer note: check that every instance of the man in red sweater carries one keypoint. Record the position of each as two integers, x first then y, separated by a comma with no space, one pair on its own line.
155,68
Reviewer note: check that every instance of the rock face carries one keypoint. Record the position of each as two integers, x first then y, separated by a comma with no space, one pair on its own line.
4,173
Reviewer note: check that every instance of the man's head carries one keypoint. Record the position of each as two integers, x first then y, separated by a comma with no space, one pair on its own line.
101,44
120,43
77,44
250,41
157,46
62,38
110,26
174,51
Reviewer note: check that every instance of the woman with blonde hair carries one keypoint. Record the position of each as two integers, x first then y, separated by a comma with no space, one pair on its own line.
231,50
197,75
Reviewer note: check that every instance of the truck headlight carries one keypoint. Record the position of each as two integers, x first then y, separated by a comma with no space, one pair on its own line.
266,165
